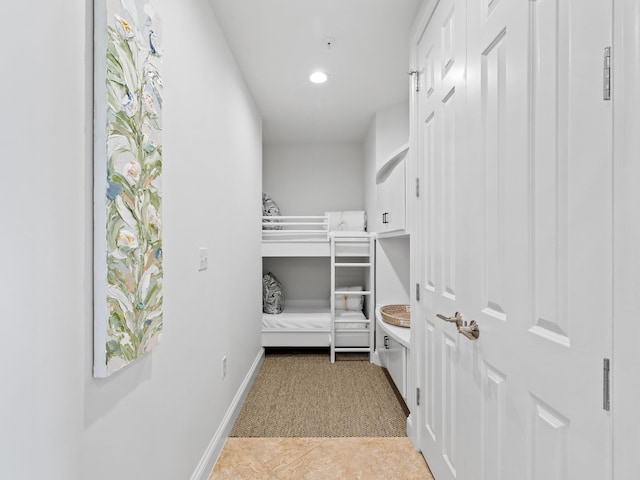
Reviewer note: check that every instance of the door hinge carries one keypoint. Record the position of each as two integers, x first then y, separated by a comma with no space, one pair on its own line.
606,384
417,397
606,76
417,187
415,74
417,292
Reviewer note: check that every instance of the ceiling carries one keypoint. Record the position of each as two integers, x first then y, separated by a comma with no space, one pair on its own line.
279,43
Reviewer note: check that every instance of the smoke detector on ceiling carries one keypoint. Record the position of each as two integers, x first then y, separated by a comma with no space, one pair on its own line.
329,41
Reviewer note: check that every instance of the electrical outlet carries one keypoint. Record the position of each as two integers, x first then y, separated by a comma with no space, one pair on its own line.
203,258
224,366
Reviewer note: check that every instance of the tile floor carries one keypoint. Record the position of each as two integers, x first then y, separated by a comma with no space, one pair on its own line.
320,458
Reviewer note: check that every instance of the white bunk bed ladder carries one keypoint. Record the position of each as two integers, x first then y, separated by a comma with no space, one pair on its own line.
361,245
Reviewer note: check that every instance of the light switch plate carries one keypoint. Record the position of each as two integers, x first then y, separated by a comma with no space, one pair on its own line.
203,258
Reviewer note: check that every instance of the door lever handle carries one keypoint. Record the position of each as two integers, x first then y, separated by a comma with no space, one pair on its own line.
471,329
457,318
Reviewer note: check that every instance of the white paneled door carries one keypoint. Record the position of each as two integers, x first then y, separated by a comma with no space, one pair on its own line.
513,140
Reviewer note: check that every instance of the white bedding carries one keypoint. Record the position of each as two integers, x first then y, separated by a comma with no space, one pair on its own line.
311,318
350,221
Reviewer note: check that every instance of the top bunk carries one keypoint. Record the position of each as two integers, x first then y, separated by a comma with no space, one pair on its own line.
309,236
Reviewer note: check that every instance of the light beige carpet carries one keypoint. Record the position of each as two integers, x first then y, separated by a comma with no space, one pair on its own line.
305,395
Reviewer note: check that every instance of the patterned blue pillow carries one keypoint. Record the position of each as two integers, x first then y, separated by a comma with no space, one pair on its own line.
272,295
270,208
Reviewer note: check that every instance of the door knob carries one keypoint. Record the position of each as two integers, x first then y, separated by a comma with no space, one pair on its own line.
471,329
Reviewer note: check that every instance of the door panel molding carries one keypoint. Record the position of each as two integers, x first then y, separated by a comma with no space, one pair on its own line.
493,93
493,408
448,193
549,434
548,158
449,402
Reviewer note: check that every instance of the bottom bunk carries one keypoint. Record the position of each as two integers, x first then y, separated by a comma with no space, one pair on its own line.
310,326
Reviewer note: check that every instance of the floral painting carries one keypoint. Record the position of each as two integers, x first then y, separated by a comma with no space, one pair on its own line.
128,318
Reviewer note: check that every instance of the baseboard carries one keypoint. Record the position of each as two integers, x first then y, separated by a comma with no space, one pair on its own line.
211,454
411,433
375,359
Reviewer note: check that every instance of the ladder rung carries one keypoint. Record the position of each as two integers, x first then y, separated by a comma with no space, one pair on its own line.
352,330
352,264
352,292
353,321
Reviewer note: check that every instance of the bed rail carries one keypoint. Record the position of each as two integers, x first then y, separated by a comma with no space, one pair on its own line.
290,228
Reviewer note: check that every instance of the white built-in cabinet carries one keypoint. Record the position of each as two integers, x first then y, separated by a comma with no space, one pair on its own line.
392,342
389,216
393,351
391,192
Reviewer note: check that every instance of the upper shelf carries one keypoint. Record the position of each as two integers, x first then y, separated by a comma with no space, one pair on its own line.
390,163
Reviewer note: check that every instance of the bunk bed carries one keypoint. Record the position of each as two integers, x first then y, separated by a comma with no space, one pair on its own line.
346,321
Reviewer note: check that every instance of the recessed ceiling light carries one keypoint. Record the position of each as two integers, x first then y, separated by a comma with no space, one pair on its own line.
319,77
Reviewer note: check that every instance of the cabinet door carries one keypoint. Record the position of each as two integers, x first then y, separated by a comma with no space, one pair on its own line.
396,199
396,364
391,200
382,193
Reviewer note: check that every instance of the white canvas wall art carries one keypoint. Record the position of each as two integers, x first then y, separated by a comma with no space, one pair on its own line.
128,294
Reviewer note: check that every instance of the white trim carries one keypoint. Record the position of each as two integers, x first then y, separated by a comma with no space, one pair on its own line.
296,338
376,360
390,163
420,24
302,248
211,454
410,431
626,271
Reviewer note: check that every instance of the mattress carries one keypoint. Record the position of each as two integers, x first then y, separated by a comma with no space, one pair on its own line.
311,318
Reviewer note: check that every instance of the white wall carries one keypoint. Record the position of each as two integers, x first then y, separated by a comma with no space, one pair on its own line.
392,271
43,238
310,179
156,418
392,126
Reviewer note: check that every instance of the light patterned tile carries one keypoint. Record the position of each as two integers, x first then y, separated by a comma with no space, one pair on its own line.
385,455
276,453
235,463
415,468
353,458
320,458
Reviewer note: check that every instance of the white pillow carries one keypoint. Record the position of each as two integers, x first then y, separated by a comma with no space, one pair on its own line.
350,302
349,221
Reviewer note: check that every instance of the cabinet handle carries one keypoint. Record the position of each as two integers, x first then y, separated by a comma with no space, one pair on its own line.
386,342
